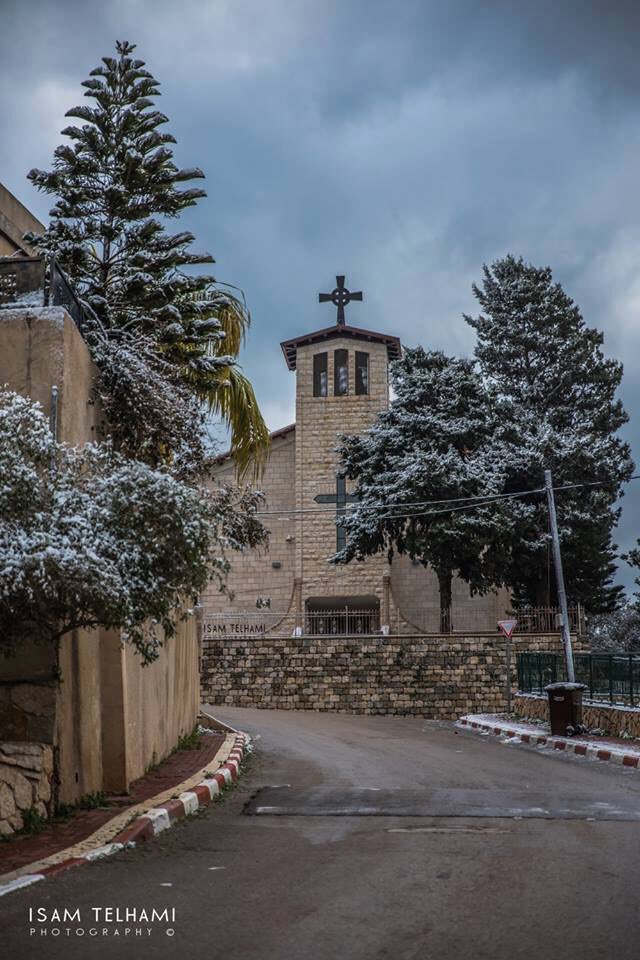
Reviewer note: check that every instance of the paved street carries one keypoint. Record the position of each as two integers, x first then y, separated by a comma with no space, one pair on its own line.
515,855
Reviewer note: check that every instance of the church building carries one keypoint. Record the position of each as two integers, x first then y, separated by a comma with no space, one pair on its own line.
291,588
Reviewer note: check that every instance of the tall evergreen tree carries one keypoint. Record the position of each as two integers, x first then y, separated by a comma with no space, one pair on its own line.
116,186
633,559
432,444
555,396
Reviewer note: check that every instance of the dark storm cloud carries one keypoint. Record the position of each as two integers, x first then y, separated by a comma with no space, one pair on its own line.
402,143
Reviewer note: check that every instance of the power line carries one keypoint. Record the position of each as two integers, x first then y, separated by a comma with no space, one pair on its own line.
507,496
286,514
387,506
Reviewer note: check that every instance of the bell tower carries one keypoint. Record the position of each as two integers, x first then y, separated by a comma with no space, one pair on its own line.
342,383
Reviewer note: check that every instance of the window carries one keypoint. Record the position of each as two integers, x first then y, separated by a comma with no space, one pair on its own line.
340,373
320,377
362,374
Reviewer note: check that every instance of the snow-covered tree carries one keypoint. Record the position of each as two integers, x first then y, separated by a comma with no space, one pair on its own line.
89,538
432,444
633,558
116,186
555,396
615,632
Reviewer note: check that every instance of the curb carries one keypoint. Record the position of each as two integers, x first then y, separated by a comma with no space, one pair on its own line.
153,821
580,748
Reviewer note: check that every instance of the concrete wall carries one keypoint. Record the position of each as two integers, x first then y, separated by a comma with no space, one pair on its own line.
42,348
109,718
15,221
162,700
440,677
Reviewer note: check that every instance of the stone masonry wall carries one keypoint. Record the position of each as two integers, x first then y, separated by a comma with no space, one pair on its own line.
252,572
612,720
319,423
439,677
26,771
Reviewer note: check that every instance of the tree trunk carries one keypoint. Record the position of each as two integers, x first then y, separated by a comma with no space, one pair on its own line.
445,578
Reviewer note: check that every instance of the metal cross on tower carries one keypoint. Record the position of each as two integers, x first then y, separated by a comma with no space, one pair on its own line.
341,498
340,297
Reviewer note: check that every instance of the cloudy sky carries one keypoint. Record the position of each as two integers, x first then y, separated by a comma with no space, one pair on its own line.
402,143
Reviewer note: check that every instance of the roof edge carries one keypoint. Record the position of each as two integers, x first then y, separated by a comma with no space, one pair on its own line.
274,435
290,347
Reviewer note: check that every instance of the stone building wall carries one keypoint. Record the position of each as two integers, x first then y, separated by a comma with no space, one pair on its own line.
416,599
319,422
438,677
294,569
253,574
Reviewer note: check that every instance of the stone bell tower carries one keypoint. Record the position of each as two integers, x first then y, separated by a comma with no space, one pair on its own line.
342,383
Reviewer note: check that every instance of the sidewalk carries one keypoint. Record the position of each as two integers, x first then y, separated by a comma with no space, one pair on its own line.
607,749
57,835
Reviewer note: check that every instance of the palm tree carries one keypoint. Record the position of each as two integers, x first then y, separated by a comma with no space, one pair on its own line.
227,392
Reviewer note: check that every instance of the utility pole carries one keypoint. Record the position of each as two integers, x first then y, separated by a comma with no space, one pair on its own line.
562,596
53,425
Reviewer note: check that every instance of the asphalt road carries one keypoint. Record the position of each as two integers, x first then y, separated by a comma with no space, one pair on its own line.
514,855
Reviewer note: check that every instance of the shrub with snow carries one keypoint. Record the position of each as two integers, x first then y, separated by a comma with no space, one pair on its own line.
89,538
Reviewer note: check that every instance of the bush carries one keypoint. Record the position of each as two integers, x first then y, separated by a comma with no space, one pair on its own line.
89,538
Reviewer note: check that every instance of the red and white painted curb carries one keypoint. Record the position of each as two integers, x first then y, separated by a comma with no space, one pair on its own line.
154,820
518,733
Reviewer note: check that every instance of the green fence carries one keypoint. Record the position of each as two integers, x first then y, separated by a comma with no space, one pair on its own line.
612,678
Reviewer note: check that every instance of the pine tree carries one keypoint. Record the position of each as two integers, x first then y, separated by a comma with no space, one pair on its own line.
432,444
555,396
117,185
633,559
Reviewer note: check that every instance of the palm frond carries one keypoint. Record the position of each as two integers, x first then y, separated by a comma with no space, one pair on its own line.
231,396
234,318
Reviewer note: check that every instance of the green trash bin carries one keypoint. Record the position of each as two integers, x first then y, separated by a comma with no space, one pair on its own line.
565,708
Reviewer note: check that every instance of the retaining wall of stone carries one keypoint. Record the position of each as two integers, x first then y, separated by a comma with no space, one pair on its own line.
437,676
616,721
26,771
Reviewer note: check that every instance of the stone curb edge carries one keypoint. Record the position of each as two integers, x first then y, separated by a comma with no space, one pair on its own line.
579,748
154,820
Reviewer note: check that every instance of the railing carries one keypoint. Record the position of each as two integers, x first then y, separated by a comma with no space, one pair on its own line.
316,623
548,619
345,622
38,282
612,678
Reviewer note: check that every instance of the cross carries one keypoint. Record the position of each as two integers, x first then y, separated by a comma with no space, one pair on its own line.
340,297
341,498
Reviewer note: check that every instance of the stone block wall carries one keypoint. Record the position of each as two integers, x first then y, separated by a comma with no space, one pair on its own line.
26,772
437,676
252,574
616,721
